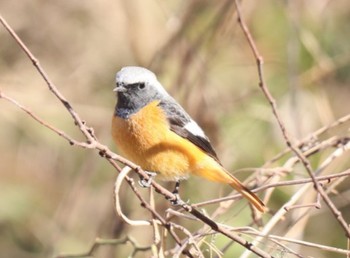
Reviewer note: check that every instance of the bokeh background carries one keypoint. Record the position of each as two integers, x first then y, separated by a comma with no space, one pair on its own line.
56,198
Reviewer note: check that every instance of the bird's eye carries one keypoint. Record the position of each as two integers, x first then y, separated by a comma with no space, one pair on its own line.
141,85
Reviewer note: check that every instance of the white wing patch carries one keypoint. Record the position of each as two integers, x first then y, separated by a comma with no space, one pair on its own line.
194,129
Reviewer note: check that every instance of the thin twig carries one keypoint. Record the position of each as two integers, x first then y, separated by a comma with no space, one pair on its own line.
88,133
249,230
42,122
311,137
275,185
99,241
125,171
144,204
336,213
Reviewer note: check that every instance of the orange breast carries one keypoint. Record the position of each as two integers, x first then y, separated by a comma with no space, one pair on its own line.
146,139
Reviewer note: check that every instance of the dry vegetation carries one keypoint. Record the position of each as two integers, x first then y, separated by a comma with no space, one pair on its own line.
282,126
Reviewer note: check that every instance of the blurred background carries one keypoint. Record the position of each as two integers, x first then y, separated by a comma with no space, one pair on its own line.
56,198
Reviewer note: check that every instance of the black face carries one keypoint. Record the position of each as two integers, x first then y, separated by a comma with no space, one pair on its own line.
133,97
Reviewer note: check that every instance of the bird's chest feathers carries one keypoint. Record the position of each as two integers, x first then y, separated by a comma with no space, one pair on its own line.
141,131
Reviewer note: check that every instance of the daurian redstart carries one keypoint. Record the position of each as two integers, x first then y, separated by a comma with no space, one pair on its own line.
151,129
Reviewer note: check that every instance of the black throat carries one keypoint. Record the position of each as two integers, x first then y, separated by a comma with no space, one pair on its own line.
133,100
127,106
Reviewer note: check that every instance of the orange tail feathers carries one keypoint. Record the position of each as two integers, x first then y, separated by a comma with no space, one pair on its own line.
252,198
213,171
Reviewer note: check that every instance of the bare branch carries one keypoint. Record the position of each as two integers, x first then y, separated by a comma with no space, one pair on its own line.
99,241
337,214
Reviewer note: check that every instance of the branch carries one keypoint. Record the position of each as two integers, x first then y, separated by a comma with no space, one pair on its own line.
328,178
99,241
336,213
252,231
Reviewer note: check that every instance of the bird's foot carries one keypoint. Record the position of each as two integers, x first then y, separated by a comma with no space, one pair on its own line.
177,200
146,183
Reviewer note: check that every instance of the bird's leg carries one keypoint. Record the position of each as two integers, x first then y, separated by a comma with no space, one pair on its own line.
147,183
177,201
177,187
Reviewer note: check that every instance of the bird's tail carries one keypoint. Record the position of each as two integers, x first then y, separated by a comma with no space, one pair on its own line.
252,198
212,170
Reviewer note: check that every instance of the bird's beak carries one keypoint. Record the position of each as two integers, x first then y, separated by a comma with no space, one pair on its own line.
119,88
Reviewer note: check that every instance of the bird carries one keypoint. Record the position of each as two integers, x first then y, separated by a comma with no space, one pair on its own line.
151,129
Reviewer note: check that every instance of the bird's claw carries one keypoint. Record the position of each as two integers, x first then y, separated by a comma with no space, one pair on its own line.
146,183
175,201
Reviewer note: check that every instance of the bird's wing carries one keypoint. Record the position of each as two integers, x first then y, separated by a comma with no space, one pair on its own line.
183,125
